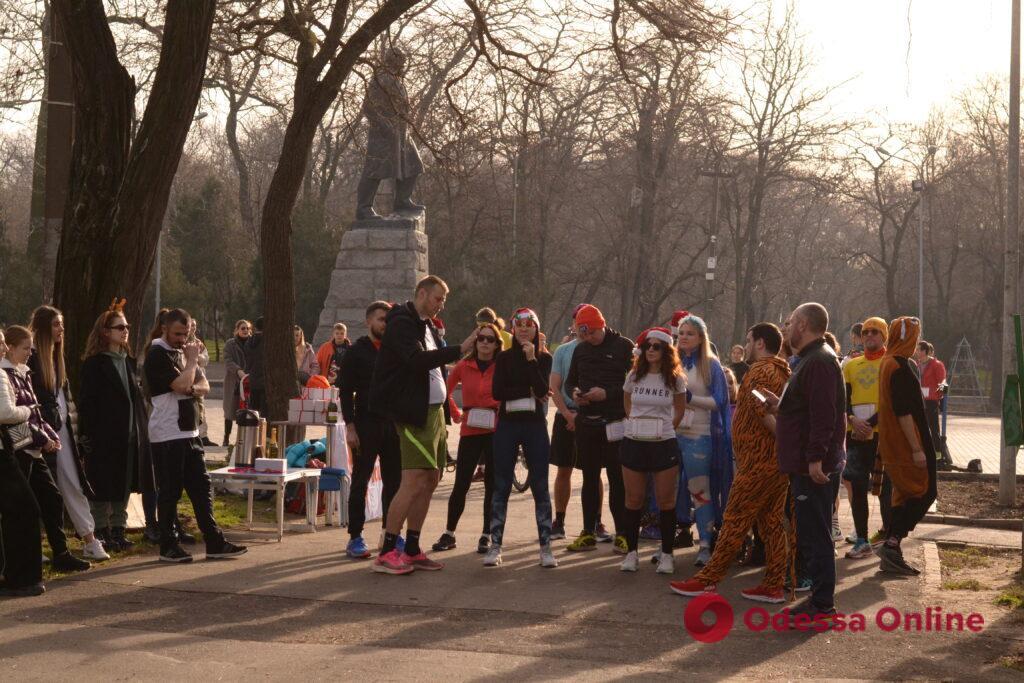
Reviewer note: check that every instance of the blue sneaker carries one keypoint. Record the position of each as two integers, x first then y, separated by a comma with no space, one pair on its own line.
400,544
356,549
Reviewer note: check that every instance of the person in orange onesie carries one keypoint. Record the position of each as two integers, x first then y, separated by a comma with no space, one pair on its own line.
904,441
758,494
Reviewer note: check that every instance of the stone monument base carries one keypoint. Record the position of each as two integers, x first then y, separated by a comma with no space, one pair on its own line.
380,258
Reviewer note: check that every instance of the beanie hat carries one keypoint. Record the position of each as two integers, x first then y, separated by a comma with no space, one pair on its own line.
659,333
589,317
576,310
676,318
526,314
877,323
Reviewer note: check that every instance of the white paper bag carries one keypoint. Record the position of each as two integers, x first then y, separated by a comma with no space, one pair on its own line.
614,431
926,392
520,405
481,418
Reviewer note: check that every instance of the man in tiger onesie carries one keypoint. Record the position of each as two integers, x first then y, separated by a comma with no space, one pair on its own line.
758,494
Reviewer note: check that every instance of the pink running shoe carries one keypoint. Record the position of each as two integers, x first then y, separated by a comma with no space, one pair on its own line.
421,561
392,563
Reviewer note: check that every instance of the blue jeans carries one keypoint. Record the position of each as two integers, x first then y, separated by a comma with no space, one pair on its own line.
695,479
533,437
813,510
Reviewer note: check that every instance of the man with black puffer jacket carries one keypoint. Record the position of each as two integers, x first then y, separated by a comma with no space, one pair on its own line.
370,435
408,387
595,380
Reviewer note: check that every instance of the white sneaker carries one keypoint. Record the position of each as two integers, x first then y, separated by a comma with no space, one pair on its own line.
547,558
666,564
94,551
493,556
631,563
656,557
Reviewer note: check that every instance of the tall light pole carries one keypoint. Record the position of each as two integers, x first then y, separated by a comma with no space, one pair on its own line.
1011,234
709,276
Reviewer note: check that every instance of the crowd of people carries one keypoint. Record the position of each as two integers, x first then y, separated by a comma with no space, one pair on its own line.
131,431
682,438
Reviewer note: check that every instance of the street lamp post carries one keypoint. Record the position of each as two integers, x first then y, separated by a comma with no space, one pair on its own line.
919,186
709,276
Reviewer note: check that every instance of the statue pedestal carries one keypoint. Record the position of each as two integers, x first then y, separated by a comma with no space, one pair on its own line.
380,258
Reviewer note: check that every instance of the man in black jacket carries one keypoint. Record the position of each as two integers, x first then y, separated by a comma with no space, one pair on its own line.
370,435
596,375
408,387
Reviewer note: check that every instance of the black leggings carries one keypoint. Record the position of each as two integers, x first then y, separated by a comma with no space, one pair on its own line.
595,452
20,548
473,450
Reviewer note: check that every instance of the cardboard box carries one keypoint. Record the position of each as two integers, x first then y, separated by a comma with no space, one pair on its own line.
274,465
294,404
307,417
294,415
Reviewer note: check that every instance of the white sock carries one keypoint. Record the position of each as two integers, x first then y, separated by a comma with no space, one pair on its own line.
450,532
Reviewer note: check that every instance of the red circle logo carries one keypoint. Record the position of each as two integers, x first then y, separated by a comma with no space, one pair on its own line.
717,629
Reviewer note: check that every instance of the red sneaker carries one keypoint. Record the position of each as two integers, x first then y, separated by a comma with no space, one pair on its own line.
761,594
422,562
691,588
392,563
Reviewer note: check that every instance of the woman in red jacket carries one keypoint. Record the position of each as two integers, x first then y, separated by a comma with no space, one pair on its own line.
479,419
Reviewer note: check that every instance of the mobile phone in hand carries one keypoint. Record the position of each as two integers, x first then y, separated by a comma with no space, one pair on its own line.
759,396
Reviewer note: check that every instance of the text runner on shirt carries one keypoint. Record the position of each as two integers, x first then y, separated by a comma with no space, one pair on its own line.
174,382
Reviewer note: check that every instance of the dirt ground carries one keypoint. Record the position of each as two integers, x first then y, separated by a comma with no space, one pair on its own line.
975,575
977,500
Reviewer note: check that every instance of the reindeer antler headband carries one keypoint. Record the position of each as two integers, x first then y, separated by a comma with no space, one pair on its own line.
117,306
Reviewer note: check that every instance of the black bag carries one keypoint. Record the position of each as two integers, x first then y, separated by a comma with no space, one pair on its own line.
20,435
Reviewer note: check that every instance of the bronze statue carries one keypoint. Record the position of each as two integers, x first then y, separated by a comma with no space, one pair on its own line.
390,151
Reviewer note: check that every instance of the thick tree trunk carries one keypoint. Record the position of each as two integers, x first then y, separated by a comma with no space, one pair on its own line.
116,199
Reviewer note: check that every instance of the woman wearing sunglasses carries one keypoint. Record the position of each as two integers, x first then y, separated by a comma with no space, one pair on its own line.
479,418
112,427
655,400
521,384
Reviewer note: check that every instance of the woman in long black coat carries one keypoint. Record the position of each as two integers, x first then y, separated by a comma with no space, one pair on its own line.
112,427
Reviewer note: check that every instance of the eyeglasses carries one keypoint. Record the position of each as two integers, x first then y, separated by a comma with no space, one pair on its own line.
652,346
486,338
524,322
123,327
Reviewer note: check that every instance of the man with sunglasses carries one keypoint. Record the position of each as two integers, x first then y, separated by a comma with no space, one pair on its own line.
861,377
595,381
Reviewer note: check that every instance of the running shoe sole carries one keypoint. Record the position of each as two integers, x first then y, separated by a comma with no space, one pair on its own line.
356,556
427,566
226,556
177,560
691,594
764,598
395,571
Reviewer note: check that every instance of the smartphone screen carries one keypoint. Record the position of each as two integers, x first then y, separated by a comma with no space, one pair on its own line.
759,396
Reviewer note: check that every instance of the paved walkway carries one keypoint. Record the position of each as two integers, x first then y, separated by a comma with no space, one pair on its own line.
971,437
300,610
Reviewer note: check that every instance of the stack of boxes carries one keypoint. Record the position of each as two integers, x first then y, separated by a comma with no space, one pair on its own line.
312,407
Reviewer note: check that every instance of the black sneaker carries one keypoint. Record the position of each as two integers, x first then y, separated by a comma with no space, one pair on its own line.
483,544
557,531
175,554
66,562
446,542
684,539
121,541
23,591
807,616
219,550
186,538
151,534
892,561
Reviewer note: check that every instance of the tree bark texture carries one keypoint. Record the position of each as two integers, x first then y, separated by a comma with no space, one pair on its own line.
119,189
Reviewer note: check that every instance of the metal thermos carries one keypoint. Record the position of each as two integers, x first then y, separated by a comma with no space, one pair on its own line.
248,430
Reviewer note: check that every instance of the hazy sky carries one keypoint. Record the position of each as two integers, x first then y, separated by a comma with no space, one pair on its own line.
951,44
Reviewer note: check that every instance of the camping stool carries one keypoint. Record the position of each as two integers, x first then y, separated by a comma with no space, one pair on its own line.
335,482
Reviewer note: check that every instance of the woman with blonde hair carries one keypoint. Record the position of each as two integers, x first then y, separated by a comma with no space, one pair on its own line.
112,426
704,435
50,383
305,359
31,455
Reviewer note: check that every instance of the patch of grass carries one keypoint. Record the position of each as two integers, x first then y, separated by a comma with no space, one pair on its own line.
1012,597
965,557
964,585
1015,662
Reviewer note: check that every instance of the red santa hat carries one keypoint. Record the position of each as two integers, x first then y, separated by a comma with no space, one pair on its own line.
659,333
676,317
